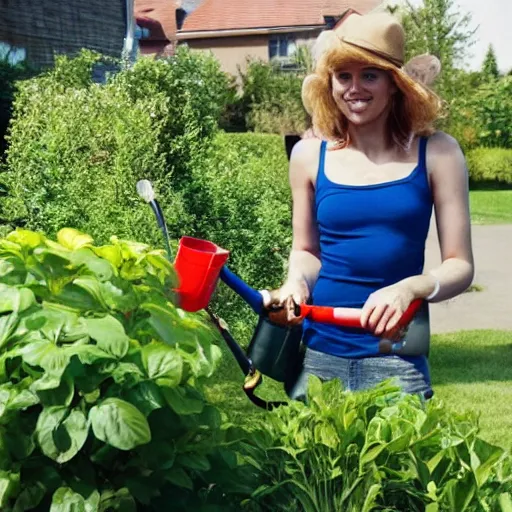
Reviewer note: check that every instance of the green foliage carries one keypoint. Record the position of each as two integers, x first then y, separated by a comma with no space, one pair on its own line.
101,404
439,28
492,165
490,67
272,99
242,202
77,149
492,107
374,450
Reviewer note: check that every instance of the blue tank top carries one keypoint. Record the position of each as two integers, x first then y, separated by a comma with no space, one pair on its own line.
371,236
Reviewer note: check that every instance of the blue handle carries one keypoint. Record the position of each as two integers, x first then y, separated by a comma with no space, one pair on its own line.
250,295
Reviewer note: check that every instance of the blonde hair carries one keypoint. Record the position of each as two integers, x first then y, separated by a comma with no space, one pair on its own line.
414,107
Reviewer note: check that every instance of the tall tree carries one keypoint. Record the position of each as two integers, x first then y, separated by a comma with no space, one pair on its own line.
490,66
438,27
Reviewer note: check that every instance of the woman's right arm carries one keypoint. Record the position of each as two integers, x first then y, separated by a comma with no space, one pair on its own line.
304,261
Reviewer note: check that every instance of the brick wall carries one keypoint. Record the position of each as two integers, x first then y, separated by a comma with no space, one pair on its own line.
43,27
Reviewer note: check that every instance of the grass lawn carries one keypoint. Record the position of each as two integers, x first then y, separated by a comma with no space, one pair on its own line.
471,370
491,206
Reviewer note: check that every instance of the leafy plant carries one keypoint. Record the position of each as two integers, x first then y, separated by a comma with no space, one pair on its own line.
490,165
374,450
101,403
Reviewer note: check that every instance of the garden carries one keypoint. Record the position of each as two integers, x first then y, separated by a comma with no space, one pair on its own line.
112,398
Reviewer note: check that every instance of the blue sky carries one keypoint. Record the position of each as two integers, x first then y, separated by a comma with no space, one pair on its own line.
494,21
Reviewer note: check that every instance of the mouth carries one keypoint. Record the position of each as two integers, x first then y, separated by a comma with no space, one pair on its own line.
358,104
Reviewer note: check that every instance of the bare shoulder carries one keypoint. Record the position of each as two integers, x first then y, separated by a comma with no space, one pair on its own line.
304,160
445,156
443,145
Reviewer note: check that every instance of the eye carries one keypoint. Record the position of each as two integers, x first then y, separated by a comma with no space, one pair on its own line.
343,76
370,76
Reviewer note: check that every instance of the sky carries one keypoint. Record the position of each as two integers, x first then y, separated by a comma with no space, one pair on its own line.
494,21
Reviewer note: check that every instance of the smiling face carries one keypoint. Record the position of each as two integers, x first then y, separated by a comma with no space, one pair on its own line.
362,93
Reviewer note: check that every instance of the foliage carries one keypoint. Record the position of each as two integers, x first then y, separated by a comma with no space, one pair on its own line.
77,149
100,381
272,98
490,67
493,165
375,450
437,27
243,203
492,107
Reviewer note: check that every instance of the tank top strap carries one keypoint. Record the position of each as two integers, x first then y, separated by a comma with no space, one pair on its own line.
320,176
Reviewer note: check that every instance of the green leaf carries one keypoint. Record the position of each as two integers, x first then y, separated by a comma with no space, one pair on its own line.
53,390
146,396
120,500
194,461
25,238
73,239
15,299
111,253
505,502
30,497
178,477
109,335
161,360
119,424
8,486
7,327
61,433
182,400
93,287
66,500
370,502
52,358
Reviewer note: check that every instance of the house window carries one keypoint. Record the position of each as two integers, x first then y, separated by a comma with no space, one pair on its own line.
12,54
281,46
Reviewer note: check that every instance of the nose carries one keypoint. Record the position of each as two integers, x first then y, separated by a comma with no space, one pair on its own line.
355,84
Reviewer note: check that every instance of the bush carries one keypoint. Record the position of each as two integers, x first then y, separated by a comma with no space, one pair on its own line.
100,382
77,149
272,99
490,166
375,450
242,202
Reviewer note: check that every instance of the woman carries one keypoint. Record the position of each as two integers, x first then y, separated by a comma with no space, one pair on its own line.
363,196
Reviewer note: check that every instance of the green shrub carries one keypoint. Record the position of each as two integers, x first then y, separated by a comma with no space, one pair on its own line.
490,166
101,378
272,99
77,149
375,450
242,202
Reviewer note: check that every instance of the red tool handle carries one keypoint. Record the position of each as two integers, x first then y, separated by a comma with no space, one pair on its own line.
349,317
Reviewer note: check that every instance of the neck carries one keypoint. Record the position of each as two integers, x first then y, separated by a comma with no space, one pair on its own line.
371,139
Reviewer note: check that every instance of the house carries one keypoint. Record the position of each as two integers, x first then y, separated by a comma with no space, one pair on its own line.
37,29
263,29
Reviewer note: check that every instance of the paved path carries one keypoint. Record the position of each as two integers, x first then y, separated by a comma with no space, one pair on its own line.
490,308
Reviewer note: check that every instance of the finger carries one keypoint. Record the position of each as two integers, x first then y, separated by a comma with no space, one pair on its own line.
384,320
391,328
366,312
376,316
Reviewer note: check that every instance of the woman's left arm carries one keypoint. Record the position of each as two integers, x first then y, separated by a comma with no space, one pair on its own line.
449,184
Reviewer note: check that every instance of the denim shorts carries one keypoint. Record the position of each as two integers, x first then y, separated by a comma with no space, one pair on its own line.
359,374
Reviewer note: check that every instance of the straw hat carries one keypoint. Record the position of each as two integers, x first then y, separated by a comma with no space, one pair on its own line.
375,39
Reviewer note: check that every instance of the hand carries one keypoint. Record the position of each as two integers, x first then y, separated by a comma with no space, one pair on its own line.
384,308
281,302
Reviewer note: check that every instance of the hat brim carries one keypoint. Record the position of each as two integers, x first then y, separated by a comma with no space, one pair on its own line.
345,54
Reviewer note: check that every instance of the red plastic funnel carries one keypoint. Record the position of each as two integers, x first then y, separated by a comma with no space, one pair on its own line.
198,264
